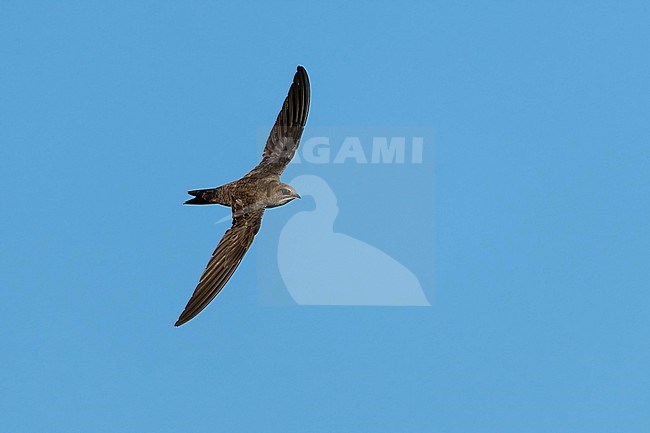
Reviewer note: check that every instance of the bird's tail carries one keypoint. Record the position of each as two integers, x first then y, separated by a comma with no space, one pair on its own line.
207,196
201,196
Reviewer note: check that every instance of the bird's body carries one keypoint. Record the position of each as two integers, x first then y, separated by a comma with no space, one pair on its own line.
251,192
249,196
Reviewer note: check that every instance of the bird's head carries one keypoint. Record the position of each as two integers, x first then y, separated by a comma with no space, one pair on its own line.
281,194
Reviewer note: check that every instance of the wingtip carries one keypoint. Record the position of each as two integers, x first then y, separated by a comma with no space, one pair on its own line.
181,320
301,76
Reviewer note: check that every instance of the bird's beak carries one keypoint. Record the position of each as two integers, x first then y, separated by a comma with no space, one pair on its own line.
296,195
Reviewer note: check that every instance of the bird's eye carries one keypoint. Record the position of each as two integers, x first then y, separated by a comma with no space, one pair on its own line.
285,191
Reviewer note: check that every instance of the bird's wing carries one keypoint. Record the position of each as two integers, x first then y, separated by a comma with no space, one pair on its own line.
225,259
287,130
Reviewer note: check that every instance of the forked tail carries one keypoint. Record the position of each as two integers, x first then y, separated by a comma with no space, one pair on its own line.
207,196
198,197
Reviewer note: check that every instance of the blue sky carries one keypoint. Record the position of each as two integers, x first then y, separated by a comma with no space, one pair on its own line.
527,227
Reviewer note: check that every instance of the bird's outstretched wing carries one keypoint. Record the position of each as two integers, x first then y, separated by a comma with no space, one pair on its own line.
225,259
287,130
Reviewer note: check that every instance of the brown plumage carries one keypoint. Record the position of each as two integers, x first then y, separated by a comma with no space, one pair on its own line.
249,196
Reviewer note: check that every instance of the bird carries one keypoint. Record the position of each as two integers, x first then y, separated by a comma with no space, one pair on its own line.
250,196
